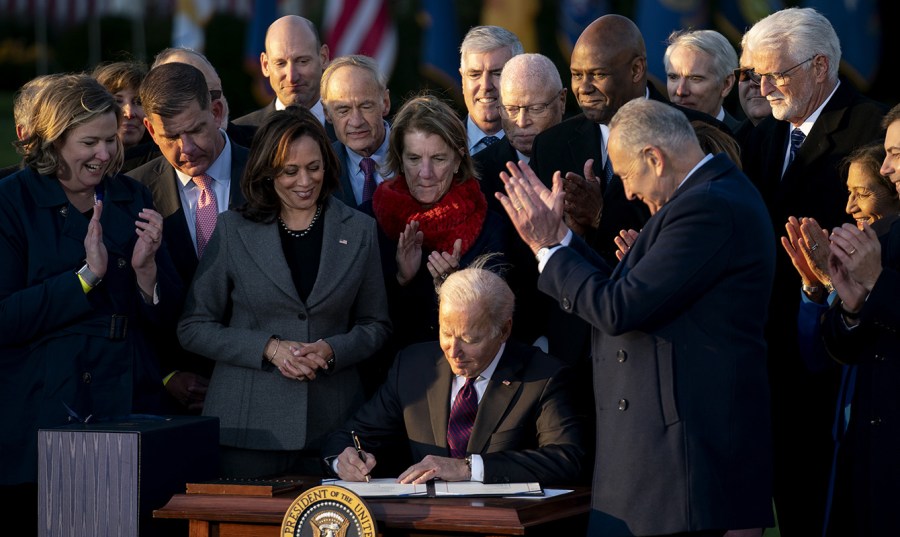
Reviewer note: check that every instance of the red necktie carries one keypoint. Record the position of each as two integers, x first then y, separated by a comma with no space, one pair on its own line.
206,213
462,418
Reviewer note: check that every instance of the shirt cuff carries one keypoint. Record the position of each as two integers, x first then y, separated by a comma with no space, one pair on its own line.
477,468
548,253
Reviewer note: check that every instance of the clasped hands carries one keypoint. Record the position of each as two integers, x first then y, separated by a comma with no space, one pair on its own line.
298,360
352,468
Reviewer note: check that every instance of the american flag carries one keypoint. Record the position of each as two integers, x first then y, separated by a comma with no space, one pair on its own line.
361,27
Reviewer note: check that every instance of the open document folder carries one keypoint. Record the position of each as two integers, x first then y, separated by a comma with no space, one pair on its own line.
387,487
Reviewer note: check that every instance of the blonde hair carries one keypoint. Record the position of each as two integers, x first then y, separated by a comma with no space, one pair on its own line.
66,103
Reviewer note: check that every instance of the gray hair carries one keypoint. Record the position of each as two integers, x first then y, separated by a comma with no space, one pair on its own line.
354,60
798,33
643,122
478,286
724,57
533,69
482,39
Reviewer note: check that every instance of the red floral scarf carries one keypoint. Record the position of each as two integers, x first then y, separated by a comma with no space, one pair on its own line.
459,214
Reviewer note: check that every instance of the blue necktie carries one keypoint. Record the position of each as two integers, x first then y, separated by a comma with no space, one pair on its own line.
608,171
488,141
797,138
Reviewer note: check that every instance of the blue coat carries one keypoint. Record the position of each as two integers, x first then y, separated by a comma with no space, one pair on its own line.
55,344
679,359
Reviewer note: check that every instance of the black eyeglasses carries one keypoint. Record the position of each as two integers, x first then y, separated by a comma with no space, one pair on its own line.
777,78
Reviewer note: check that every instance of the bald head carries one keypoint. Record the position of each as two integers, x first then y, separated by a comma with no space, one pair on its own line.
532,97
612,46
294,60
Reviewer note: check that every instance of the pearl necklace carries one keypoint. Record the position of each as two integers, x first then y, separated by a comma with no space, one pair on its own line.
300,234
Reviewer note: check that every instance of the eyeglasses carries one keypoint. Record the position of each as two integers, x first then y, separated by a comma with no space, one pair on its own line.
743,74
536,110
778,79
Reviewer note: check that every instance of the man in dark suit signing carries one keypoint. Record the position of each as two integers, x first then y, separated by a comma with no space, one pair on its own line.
197,156
474,406
680,383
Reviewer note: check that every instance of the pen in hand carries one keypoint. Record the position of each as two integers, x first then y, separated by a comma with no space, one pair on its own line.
359,451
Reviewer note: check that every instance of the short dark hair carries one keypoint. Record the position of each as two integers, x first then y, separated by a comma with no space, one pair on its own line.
169,89
268,152
892,116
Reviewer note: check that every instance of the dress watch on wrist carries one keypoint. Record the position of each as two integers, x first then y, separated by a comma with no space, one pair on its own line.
91,279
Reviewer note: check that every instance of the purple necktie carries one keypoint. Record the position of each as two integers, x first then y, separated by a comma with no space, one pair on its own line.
462,418
206,213
368,167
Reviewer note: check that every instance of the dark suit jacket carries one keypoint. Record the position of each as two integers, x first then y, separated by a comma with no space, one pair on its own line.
525,429
159,176
345,192
680,378
244,293
489,162
872,440
55,343
813,185
254,119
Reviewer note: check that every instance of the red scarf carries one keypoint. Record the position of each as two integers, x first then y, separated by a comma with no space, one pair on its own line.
459,214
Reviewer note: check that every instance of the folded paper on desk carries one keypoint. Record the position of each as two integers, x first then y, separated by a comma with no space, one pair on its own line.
387,488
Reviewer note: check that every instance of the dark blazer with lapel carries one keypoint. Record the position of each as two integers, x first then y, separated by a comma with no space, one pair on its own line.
680,380
55,347
243,293
489,162
159,176
872,440
345,192
254,119
814,186
525,429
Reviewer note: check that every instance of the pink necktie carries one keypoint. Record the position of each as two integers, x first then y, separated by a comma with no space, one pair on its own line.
462,418
368,167
206,213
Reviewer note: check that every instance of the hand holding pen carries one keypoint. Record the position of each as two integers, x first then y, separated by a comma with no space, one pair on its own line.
354,464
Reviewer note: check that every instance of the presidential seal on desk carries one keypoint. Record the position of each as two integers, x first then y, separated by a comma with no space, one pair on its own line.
328,511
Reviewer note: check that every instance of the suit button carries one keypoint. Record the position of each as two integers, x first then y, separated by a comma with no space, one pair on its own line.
623,404
301,316
621,355
86,378
121,262
64,211
566,304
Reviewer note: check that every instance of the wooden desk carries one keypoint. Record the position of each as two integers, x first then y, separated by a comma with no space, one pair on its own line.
257,516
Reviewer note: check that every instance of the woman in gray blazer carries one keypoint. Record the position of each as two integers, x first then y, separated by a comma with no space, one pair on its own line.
288,299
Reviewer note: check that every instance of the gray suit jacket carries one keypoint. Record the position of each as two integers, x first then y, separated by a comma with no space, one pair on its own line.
243,294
